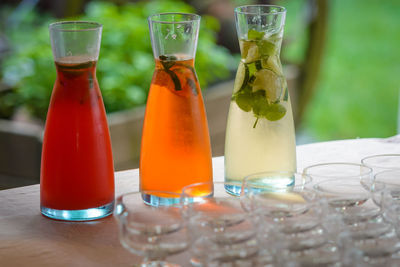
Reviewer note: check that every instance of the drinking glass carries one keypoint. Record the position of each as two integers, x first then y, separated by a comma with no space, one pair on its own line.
365,230
77,172
339,170
391,180
390,198
382,246
382,162
175,149
327,255
391,209
151,232
260,133
350,198
266,184
295,211
221,230
363,221
291,222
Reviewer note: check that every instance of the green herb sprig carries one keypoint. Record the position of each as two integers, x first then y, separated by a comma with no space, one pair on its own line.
257,83
168,62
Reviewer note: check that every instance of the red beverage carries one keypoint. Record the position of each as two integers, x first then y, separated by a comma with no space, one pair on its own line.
77,167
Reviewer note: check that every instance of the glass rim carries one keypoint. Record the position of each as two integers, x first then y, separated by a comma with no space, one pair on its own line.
122,213
90,25
369,172
317,187
281,10
377,156
191,18
208,183
119,200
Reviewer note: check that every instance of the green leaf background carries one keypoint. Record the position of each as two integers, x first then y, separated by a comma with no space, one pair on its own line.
126,63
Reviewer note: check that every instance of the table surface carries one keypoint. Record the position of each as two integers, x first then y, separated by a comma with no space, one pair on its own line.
28,238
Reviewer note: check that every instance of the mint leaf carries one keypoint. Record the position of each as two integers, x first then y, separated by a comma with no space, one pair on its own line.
254,67
260,104
255,35
244,100
275,112
164,57
167,61
175,79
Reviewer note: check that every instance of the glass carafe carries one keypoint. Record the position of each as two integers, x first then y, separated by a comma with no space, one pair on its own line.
175,148
77,172
260,132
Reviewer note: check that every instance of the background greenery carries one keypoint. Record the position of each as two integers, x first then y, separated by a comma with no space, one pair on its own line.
358,90
126,61
357,94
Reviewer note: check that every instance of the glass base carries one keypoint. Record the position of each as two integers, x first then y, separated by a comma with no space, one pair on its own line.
233,189
275,184
156,201
79,215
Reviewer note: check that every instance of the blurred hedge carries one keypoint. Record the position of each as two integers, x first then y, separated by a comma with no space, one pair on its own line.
125,64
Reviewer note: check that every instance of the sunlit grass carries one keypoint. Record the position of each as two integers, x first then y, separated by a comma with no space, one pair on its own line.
357,94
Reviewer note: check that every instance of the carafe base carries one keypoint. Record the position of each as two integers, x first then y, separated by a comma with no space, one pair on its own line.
233,189
79,215
156,201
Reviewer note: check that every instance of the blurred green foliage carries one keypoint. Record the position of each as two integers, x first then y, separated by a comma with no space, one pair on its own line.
357,94
126,61
359,86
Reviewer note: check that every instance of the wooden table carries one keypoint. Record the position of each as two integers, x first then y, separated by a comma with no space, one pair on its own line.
29,239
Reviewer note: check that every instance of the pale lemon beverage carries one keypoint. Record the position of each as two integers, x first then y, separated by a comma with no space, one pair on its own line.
260,133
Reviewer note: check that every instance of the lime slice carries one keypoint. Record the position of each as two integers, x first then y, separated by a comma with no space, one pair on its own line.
242,75
244,47
276,112
273,64
270,82
249,51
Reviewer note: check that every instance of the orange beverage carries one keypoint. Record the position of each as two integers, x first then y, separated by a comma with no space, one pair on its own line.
175,149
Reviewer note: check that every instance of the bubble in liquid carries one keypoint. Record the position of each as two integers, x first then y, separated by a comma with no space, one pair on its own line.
179,26
173,36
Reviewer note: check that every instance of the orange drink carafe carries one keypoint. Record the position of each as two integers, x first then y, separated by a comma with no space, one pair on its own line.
175,149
